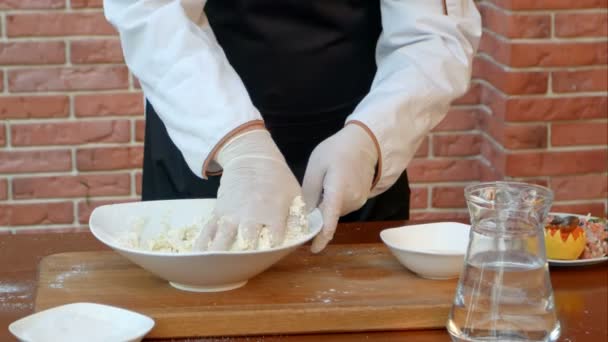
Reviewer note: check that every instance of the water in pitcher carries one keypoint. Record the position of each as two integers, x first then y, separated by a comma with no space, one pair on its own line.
504,293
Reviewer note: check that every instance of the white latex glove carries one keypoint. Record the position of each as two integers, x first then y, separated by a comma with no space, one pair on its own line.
339,178
256,190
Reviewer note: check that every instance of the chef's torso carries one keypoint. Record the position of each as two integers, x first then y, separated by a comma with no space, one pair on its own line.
299,56
305,63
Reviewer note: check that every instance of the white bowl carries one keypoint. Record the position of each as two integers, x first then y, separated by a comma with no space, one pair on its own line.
190,271
433,251
82,322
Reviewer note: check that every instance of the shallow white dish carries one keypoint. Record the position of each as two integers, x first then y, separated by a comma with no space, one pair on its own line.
433,251
82,322
191,271
578,262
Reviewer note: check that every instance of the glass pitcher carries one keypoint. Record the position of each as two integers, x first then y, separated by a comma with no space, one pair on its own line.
504,292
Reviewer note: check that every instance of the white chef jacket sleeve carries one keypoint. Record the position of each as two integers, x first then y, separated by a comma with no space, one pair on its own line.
170,47
424,57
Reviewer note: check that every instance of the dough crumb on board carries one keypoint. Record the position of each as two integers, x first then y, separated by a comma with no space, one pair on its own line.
181,239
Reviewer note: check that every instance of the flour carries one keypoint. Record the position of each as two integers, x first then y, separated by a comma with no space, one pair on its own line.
181,239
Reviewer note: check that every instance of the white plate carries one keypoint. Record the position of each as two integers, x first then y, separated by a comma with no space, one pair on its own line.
82,322
578,262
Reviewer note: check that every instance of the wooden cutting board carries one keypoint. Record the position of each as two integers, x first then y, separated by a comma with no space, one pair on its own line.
346,288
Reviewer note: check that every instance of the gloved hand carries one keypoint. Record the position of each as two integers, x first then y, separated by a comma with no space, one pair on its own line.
256,190
339,178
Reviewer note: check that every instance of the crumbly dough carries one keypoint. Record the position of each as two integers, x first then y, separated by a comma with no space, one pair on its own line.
297,226
181,239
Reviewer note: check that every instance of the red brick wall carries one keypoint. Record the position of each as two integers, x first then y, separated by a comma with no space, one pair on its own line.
71,115
542,66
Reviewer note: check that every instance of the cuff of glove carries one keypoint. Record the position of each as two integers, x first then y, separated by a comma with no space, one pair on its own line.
210,166
376,144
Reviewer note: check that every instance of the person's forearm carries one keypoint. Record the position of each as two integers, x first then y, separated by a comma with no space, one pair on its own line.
170,47
424,61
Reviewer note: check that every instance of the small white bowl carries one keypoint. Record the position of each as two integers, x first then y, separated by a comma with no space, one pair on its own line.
433,251
189,271
82,322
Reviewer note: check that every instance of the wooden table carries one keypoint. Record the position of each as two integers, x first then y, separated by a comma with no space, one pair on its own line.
581,293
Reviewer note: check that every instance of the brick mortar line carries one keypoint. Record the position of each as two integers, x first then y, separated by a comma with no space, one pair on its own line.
549,135
38,11
68,92
71,108
49,228
588,93
580,201
545,11
552,31
484,161
83,92
66,65
560,176
439,184
529,177
96,145
67,173
83,145
498,146
527,123
58,38
484,109
544,96
550,39
77,119
23,175
5,81
7,136
558,40
507,68
74,161
42,227
132,178
533,41
9,188
429,197
75,220
58,65
132,129
68,53
448,133
131,82
577,148
474,131
54,200
451,158
38,66
3,19
72,39
438,210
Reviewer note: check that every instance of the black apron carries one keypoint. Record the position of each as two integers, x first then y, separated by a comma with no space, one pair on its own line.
306,66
